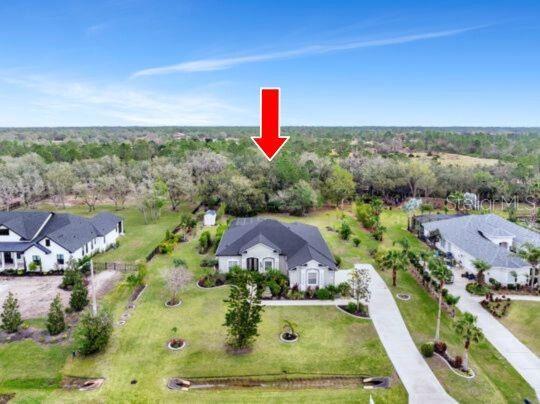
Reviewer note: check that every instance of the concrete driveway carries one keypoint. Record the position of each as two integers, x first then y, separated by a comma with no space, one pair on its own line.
516,353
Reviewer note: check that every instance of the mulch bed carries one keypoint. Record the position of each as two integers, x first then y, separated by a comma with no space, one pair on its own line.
81,383
136,293
358,314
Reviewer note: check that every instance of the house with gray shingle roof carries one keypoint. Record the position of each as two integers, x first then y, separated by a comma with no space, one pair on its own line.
296,249
50,240
489,238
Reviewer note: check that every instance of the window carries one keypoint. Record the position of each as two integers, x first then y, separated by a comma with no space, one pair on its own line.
60,259
36,259
312,278
47,242
268,263
233,263
4,232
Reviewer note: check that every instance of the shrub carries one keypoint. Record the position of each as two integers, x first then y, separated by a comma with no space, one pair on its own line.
344,289
209,262
324,294
179,262
457,362
277,282
187,221
295,294
338,260
79,297
71,276
427,349
11,317
440,347
33,266
373,252
378,232
356,241
137,278
345,230
166,247
333,289
93,332
351,307
205,242
55,319
477,289
451,300
310,292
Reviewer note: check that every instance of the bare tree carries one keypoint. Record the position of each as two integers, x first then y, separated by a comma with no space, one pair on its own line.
177,278
117,188
59,179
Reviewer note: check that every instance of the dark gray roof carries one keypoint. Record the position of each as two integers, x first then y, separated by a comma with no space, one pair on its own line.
25,224
65,229
299,242
104,222
469,234
21,246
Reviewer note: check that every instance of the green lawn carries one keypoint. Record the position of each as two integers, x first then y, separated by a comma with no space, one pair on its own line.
523,320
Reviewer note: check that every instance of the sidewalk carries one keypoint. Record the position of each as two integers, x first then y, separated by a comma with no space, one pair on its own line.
414,372
520,357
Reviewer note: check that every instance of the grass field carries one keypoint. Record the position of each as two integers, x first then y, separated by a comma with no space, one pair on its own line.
457,159
330,343
523,320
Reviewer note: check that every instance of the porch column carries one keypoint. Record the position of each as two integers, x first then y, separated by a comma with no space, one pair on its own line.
2,256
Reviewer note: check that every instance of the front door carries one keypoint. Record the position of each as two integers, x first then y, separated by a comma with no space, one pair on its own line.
252,264
8,258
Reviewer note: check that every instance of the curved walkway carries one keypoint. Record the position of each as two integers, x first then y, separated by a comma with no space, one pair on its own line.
520,357
414,372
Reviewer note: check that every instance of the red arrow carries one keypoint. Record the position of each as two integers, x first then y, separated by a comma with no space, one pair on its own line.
270,142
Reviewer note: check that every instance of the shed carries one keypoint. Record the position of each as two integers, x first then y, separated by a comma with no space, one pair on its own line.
210,218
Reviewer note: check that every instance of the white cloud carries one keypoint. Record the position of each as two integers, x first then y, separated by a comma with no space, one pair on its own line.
122,104
226,63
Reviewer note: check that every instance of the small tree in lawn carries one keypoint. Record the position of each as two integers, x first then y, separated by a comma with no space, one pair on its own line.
55,319
79,296
244,310
93,332
481,267
439,270
359,283
177,278
469,331
11,317
344,230
395,260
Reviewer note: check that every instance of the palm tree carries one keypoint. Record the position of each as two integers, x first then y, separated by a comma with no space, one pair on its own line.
439,270
531,254
395,260
481,267
467,329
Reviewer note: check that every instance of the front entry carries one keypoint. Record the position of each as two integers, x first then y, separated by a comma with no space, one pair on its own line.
8,258
252,264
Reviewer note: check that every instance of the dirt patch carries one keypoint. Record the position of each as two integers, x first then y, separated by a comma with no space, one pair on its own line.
282,383
4,398
35,293
82,384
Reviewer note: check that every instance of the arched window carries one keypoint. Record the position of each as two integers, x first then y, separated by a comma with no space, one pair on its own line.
252,264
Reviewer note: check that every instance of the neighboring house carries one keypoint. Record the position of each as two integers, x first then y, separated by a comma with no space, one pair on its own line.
489,238
210,218
297,250
51,240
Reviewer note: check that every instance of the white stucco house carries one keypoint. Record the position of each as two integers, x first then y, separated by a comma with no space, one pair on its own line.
209,218
51,240
489,238
297,250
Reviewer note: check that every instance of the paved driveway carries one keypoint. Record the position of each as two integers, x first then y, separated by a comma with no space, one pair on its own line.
515,352
414,372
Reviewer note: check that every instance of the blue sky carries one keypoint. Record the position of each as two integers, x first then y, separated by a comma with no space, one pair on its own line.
138,62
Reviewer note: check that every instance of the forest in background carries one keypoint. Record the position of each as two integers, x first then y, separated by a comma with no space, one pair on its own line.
213,165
